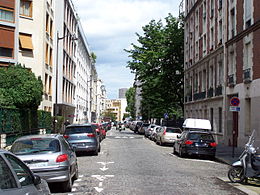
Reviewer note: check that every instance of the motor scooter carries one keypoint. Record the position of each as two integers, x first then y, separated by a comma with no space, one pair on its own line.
248,165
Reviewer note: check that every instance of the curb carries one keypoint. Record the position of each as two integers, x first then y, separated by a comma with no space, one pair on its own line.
241,187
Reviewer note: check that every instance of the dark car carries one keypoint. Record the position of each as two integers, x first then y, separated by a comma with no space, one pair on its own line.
195,143
17,179
83,137
143,127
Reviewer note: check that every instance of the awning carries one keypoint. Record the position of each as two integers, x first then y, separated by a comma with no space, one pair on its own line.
26,41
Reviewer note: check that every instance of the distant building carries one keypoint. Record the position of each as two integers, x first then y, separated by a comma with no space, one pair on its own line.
117,106
122,92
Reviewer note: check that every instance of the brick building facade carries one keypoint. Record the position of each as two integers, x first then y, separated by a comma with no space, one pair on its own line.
221,62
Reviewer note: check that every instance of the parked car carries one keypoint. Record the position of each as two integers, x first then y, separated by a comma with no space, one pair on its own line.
50,156
154,132
142,128
101,132
195,142
167,135
83,137
17,179
148,131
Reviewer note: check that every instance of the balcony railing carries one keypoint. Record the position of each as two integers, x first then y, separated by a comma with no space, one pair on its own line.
247,75
231,81
199,96
210,92
218,90
188,98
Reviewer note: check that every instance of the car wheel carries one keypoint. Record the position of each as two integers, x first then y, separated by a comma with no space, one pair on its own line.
174,150
182,155
76,175
67,185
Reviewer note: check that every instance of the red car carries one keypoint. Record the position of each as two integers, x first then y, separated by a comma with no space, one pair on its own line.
100,130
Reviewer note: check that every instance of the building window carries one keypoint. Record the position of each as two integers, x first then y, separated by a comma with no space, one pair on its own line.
220,120
25,41
51,28
233,24
248,14
50,85
50,60
47,23
220,32
6,42
26,8
46,54
6,52
6,14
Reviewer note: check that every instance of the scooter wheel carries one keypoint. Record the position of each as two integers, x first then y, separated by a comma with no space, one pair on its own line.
236,174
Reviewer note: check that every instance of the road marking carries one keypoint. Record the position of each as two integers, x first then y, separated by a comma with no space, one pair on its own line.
78,180
100,184
105,163
76,184
81,175
73,189
131,137
103,168
98,189
102,177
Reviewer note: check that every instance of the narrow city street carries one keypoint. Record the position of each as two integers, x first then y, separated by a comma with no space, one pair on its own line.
130,164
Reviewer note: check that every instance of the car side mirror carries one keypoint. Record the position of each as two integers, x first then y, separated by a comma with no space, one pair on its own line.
36,180
178,136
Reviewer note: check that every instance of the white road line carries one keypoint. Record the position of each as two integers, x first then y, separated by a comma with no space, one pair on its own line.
98,189
78,180
74,189
81,175
100,184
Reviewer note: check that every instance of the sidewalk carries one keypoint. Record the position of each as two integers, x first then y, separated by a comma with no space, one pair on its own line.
224,154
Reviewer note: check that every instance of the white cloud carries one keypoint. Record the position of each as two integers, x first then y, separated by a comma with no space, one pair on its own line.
110,27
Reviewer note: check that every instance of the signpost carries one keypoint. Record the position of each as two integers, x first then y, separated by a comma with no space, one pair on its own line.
234,102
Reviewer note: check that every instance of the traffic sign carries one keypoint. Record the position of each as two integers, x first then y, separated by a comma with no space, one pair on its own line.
234,108
234,101
166,115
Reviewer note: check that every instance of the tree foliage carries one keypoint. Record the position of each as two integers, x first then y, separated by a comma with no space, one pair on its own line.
157,61
130,98
109,114
19,88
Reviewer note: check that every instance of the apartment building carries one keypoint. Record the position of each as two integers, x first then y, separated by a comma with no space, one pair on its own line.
36,47
65,83
221,63
117,106
83,78
9,15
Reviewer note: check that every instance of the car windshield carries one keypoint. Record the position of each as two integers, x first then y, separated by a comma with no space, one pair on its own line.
146,124
76,130
173,130
200,136
36,145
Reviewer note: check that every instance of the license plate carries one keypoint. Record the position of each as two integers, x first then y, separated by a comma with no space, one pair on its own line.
43,164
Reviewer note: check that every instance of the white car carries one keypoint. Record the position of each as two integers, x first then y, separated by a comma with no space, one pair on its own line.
167,135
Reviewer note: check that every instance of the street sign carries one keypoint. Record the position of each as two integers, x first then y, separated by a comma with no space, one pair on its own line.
234,101
234,109
165,115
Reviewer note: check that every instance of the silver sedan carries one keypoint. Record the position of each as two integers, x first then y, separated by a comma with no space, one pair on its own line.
49,156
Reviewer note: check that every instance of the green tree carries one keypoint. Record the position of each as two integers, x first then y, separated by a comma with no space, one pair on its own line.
109,114
19,88
157,62
93,56
130,98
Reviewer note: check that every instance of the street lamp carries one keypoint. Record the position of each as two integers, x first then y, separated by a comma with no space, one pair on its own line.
56,89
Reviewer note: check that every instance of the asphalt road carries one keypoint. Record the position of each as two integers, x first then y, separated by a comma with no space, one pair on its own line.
130,164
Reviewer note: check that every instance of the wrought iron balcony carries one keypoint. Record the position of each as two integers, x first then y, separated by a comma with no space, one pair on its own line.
210,92
218,90
199,96
247,75
231,81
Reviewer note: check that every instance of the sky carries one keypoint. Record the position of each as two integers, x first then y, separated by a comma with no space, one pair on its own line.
111,26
